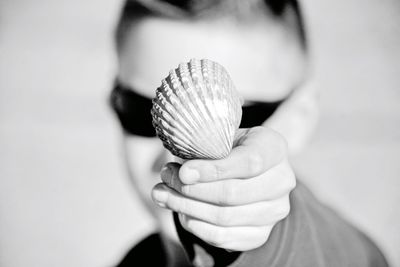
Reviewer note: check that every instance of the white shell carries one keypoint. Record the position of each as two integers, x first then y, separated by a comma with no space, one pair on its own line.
197,111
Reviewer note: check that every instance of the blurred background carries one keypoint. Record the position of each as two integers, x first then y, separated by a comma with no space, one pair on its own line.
64,198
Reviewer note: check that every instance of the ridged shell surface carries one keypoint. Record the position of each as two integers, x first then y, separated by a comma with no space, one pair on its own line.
197,111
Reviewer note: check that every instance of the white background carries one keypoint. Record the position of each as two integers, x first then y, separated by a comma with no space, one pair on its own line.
64,196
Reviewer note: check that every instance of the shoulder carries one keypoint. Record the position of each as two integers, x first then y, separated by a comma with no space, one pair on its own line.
314,235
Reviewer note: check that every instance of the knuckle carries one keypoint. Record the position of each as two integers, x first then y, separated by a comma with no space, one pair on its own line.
279,142
284,209
258,237
255,163
265,132
291,179
258,242
288,177
264,235
282,145
275,140
260,130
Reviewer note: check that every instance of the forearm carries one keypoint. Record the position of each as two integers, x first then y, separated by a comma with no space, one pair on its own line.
297,117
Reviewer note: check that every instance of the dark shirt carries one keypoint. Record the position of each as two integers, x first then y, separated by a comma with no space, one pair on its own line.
312,235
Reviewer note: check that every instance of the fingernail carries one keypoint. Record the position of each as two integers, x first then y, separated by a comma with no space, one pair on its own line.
190,175
160,197
166,174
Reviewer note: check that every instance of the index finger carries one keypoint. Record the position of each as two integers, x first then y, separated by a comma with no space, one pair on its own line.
257,150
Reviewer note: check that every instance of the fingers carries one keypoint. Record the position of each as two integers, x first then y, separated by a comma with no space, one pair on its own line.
275,183
258,149
233,202
233,238
256,214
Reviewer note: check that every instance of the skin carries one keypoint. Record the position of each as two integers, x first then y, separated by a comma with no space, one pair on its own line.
232,203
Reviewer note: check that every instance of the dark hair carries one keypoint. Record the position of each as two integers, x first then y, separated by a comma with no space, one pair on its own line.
129,105
207,9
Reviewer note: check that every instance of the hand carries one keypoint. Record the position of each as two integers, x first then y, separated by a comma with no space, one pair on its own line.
232,203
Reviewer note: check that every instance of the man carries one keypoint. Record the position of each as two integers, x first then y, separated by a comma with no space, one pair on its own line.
234,211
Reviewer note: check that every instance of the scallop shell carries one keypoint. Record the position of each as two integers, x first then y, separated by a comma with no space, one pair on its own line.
197,111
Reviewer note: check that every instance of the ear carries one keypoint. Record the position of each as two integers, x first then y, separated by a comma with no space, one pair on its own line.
297,118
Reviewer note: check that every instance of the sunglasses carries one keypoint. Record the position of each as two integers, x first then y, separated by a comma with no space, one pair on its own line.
133,111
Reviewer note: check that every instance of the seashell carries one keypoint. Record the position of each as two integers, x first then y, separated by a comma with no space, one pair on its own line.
197,111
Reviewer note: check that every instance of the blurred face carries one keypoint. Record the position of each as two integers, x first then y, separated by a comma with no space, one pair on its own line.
263,58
